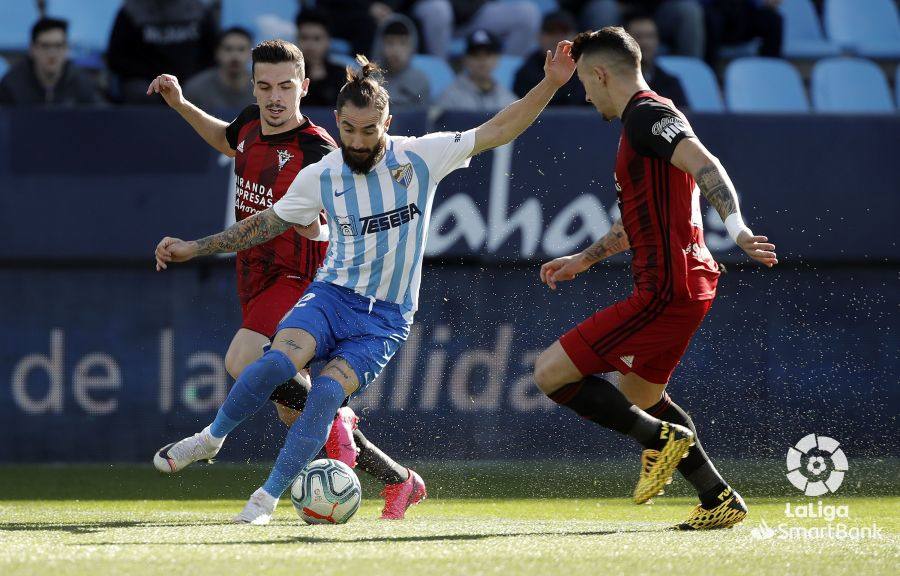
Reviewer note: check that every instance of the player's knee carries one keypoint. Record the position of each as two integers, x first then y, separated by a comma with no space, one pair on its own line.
545,376
234,365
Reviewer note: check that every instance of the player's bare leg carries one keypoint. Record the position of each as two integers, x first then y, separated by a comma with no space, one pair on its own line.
246,347
599,401
720,505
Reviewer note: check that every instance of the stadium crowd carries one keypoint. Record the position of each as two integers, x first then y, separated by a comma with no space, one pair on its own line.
444,54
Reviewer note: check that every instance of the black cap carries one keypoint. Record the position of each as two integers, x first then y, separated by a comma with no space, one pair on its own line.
482,41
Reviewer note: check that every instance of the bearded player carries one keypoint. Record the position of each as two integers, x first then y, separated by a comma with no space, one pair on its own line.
659,166
378,191
271,142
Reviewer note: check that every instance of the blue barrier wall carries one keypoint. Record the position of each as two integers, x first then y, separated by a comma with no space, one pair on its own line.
103,359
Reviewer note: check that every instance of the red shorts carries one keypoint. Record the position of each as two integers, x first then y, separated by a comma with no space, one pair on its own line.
640,334
264,310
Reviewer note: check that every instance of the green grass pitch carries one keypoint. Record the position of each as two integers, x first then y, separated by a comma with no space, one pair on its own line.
126,520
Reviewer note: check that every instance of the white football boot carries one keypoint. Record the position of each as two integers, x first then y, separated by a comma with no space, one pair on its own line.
258,510
175,457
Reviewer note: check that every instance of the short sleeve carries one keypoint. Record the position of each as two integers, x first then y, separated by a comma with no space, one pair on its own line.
233,130
654,129
444,152
302,202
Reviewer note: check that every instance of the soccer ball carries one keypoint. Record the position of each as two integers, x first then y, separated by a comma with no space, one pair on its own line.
326,492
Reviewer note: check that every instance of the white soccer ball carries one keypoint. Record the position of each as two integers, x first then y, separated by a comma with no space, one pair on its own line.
326,492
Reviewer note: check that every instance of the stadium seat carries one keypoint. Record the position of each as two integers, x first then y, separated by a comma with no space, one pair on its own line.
15,25
870,28
850,85
341,46
764,85
89,22
698,81
265,18
545,6
803,37
343,59
440,74
505,72
4,66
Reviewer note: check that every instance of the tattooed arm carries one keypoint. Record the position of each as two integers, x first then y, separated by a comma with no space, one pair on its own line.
567,267
712,179
245,234
613,242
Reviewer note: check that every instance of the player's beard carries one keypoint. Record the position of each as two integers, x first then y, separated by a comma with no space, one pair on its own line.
362,165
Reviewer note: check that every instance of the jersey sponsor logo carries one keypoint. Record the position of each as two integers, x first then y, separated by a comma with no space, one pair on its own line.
240,147
403,174
347,225
387,220
668,128
283,158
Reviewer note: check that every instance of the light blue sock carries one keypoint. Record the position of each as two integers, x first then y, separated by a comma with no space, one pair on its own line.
252,390
307,435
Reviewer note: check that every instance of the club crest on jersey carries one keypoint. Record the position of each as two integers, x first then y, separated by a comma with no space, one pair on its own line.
403,174
347,225
283,158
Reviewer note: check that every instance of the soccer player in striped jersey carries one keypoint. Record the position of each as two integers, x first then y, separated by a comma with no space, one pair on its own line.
271,142
378,191
660,164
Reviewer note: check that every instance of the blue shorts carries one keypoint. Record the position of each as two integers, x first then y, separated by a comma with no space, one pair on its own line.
364,332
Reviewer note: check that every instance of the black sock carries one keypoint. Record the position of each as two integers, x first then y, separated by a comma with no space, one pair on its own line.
599,401
291,394
372,460
696,468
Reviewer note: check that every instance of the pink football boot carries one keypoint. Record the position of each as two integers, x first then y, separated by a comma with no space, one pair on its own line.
340,444
398,497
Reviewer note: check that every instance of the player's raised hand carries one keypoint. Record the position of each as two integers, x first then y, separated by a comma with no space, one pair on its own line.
173,250
758,248
564,268
559,66
168,87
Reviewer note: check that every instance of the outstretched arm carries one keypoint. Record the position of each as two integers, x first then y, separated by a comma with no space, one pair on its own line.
245,234
712,179
515,118
208,127
567,267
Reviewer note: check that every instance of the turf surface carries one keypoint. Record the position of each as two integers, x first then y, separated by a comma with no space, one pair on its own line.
140,531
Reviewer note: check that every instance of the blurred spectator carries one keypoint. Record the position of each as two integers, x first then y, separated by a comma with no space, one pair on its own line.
643,29
47,76
557,26
396,42
515,21
152,37
739,21
475,88
228,85
325,78
680,22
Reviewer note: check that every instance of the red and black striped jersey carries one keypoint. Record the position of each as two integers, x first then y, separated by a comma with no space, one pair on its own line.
264,167
660,204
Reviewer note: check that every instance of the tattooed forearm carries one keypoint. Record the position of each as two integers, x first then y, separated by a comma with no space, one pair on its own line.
718,189
613,242
244,234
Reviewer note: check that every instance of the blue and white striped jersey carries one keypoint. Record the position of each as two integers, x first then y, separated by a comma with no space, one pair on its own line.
378,221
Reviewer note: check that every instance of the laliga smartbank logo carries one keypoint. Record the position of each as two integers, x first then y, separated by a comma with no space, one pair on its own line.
816,466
